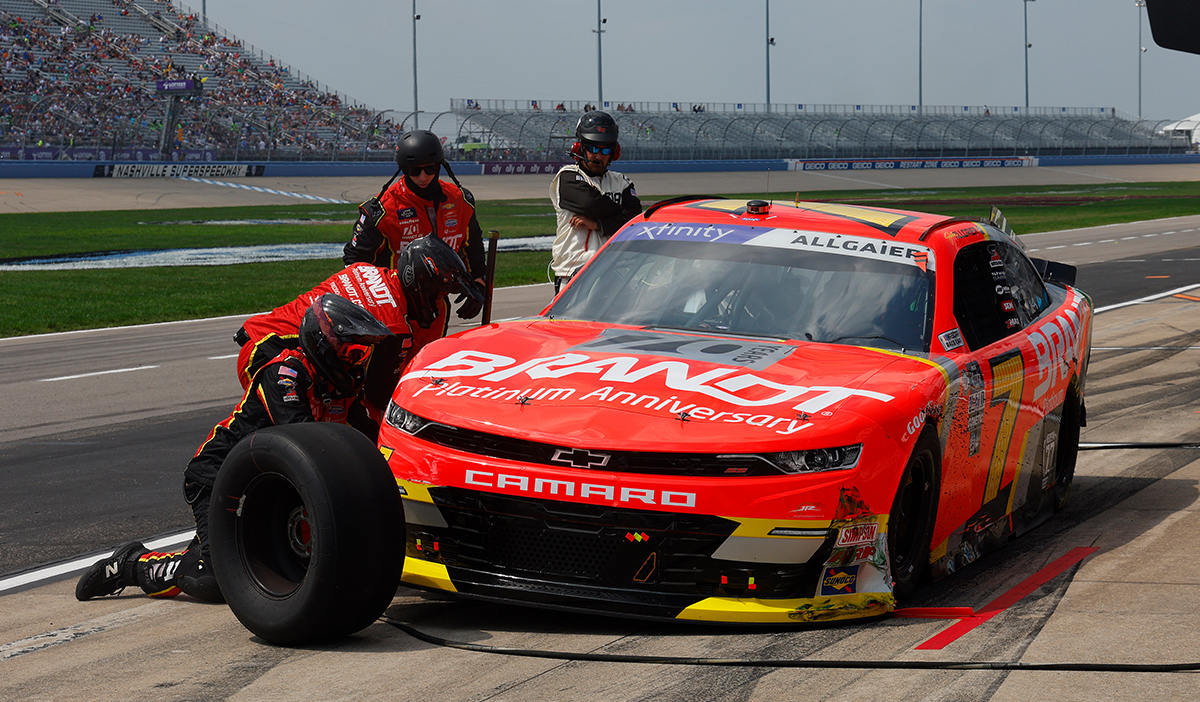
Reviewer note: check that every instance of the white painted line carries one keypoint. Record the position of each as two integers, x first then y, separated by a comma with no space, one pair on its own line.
67,634
88,375
222,358
1083,243
1107,241
1060,246
1147,236
1149,298
263,190
1146,348
1127,238
1169,233
54,571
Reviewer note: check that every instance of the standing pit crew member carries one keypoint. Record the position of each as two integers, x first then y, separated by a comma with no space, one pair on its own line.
318,382
408,305
417,204
590,201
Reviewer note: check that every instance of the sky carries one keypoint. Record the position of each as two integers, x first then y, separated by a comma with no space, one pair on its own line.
1084,52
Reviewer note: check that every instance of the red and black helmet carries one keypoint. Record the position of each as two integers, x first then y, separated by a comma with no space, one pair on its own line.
337,337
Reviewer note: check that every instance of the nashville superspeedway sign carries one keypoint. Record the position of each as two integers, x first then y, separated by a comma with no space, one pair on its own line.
177,170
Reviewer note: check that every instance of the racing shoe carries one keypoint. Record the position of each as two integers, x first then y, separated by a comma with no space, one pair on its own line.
111,575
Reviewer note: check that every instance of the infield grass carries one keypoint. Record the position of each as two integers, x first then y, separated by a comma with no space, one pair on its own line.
47,301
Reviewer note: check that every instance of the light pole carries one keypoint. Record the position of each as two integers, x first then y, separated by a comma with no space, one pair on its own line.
599,59
1141,50
770,43
416,110
920,54
1027,45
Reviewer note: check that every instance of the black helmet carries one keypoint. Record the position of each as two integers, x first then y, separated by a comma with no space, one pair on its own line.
597,128
429,269
419,148
337,337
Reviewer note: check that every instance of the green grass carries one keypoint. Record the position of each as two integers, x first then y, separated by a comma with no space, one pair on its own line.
67,300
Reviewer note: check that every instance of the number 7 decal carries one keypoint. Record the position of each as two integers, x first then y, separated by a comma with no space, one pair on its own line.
1008,382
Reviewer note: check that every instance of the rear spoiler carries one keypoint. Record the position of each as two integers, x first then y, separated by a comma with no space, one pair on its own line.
1053,272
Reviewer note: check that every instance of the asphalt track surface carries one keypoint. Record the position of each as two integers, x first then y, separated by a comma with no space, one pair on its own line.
86,462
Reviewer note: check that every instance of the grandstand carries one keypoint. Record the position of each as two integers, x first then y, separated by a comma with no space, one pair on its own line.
78,81
530,130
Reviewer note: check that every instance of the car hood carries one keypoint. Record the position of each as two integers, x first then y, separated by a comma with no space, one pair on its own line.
598,385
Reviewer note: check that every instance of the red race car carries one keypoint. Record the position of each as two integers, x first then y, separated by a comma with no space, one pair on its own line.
736,412
748,412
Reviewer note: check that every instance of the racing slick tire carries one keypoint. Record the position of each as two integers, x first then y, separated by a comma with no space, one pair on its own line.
1068,447
910,522
307,532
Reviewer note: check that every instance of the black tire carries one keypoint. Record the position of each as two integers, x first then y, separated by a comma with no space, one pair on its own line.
1068,448
307,532
910,522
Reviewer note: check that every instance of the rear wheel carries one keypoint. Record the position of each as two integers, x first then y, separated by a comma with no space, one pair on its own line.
1068,448
307,532
910,522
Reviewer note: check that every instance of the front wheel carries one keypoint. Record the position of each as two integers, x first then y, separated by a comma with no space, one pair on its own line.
307,532
910,522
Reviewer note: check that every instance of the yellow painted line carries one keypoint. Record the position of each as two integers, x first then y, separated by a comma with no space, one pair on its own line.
1187,297
1157,277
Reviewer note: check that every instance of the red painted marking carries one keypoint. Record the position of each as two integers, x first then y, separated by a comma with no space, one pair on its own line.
1008,599
934,612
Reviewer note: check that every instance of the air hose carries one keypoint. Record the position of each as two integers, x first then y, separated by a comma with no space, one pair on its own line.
790,663
1100,446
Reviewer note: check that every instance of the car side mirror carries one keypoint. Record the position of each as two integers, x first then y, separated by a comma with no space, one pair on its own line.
1053,272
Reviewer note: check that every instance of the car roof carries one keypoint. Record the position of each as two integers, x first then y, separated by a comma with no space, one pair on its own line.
830,217
942,234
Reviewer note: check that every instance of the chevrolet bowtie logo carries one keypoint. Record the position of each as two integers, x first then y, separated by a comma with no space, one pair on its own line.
580,458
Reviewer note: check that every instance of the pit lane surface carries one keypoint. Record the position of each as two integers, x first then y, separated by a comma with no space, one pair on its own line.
98,458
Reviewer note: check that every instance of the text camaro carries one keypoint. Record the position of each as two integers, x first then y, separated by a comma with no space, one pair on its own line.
744,412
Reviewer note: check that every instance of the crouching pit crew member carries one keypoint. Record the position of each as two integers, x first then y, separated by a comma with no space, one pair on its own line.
318,382
408,305
416,205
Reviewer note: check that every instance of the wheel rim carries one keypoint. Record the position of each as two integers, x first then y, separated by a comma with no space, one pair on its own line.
275,534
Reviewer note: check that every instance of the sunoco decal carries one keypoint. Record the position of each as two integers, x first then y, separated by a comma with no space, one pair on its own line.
730,389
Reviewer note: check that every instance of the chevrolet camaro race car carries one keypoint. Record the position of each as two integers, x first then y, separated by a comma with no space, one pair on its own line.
748,412
736,412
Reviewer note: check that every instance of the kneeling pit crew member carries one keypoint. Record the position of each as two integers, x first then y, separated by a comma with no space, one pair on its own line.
318,382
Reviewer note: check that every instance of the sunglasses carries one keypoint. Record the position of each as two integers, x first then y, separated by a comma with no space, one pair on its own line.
605,150
431,169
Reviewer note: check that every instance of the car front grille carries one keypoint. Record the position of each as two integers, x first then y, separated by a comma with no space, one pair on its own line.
499,536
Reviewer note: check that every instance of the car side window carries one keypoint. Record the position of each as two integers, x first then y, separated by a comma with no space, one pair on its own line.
983,300
1028,290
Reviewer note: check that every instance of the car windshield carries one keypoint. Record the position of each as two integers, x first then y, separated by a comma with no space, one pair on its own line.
752,290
